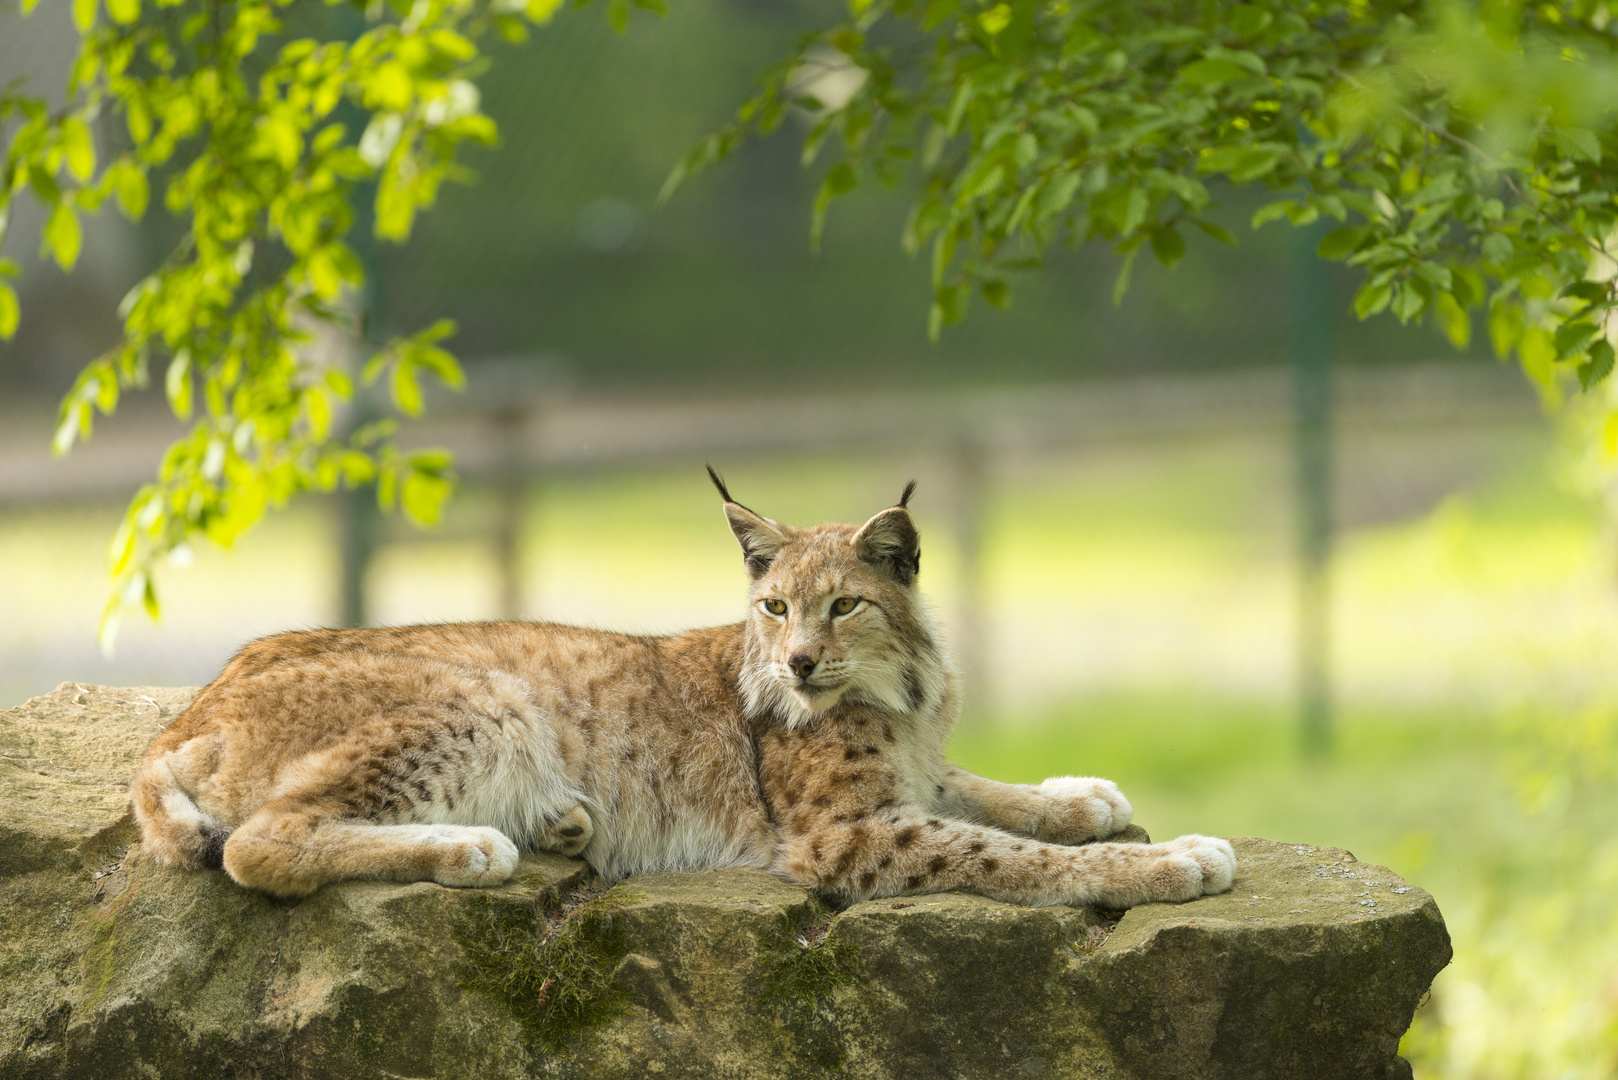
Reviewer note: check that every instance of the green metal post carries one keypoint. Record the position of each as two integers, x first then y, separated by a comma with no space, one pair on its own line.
1310,348
359,519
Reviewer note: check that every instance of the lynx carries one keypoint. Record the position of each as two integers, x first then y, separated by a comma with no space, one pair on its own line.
807,740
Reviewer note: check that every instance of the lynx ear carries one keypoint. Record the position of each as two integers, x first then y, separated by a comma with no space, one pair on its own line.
889,542
760,538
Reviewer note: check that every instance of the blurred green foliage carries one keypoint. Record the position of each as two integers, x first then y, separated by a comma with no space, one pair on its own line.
1467,149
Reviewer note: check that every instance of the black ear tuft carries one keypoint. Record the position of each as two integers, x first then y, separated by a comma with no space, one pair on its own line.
910,489
719,483
889,542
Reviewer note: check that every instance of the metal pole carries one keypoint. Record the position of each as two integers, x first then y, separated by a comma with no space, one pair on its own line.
359,518
510,491
1310,349
968,636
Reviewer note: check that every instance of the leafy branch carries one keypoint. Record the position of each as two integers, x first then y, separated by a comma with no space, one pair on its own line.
263,123
1468,151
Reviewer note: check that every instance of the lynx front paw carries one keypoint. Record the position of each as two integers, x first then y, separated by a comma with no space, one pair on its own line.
568,834
1088,809
475,856
1181,869
1214,858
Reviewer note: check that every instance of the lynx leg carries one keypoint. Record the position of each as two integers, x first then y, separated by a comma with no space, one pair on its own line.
568,835
291,851
913,855
1062,810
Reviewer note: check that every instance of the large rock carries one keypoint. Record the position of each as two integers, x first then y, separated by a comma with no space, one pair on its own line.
111,966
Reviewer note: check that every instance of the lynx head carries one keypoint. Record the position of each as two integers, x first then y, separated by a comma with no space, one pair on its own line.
834,615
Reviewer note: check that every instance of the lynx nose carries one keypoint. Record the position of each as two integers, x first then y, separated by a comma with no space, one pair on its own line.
801,665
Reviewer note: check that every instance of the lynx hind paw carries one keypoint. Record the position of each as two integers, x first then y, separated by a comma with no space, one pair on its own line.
1214,857
1102,802
568,834
476,856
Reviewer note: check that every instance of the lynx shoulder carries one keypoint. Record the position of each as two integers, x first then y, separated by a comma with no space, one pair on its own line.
807,739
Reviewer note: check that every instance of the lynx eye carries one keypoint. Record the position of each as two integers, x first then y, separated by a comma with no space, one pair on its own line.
844,604
775,607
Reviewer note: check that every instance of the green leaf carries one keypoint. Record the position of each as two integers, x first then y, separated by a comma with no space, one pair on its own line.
1218,232
1269,212
840,180
1055,196
436,460
1452,319
177,384
1599,366
1246,20
1124,208
995,19
406,390
123,12
1240,163
1120,284
1212,72
1577,143
1408,302
1570,337
122,548
357,467
438,331
1538,354
1168,245
77,148
1505,326
1372,299
997,293
1469,288
84,14
10,312
132,191
1497,248
951,301
1592,292
422,497
442,364
374,367
62,237
1339,244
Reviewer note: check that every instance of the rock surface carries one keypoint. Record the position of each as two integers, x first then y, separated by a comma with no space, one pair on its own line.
111,966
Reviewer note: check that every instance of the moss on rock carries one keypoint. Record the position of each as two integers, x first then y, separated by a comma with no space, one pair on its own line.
551,962
800,962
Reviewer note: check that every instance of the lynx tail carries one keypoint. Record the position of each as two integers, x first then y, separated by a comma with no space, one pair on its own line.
173,828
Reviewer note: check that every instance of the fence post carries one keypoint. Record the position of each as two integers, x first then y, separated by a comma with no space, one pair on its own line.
967,635
1310,348
510,492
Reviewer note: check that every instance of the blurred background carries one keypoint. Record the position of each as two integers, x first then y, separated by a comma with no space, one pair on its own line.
1275,571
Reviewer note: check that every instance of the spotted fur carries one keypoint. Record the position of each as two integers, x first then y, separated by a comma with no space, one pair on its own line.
807,740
